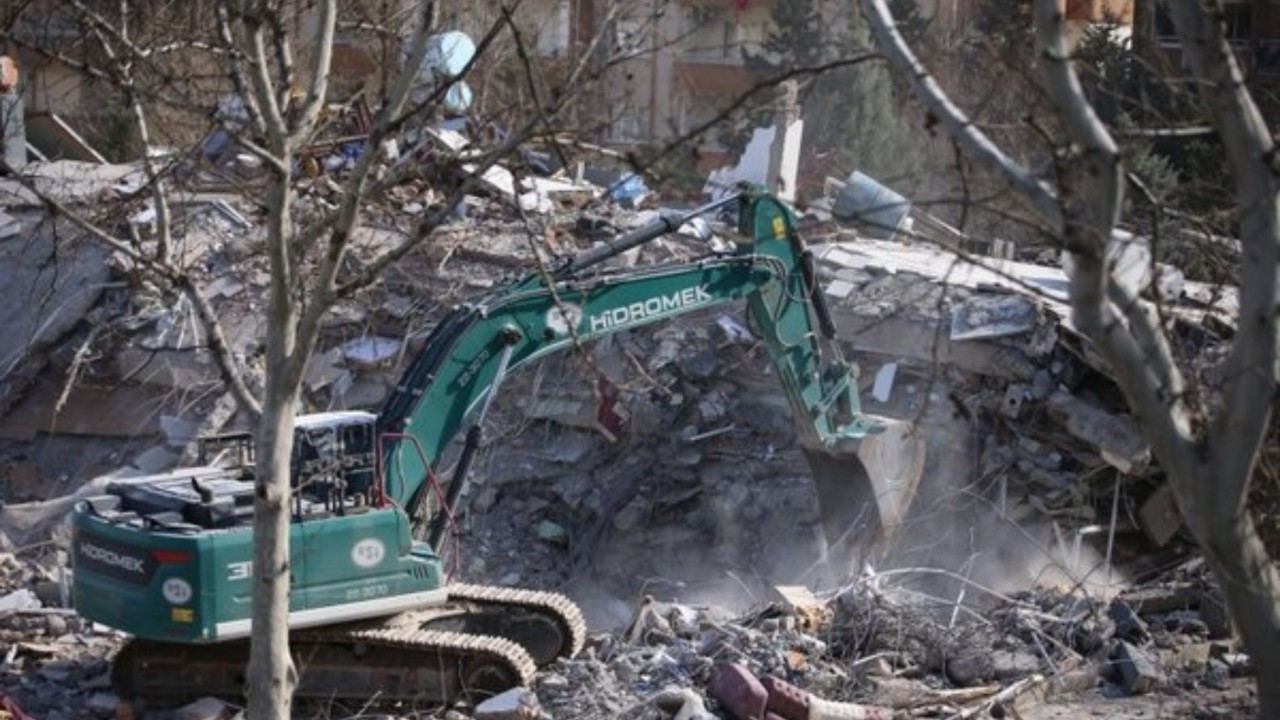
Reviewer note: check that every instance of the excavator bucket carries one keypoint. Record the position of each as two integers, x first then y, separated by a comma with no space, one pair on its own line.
864,489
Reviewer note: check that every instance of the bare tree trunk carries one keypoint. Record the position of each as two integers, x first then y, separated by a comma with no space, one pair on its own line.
1251,585
272,676
1208,453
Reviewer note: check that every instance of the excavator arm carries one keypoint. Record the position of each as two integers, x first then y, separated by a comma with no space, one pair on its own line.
475,347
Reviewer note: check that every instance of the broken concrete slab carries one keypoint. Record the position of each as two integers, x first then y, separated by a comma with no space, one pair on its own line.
1163,598
682,704
9,225
121,411
165,368
1193,655
179,431
20,599
71,182
23,522
156,459
371,351
810,612
1118,438
514,704
561,190
883,384
48,283
323,369
1139,669
923,341
496,179
446,139
225,286
983,317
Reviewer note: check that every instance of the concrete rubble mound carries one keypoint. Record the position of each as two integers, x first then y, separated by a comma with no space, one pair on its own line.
654,477
876,648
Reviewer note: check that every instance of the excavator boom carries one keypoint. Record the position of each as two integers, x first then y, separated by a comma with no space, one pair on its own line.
865,469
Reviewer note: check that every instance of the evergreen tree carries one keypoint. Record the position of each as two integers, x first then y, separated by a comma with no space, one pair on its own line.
853,116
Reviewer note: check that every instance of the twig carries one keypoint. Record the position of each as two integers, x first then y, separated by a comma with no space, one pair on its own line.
1006,695
976,585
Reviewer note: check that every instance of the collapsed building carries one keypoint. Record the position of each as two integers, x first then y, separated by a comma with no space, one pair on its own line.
676,526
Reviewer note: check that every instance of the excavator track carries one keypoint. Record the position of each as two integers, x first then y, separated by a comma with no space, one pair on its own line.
430,656
565,629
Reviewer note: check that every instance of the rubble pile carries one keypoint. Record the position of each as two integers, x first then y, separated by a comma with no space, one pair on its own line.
706,481
1034,429
875,650
54,664
654,476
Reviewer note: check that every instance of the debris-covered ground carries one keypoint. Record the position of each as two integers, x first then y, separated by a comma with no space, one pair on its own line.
1042,569
875,648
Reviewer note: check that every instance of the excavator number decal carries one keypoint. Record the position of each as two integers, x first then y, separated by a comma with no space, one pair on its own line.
368,553
368,592
240,570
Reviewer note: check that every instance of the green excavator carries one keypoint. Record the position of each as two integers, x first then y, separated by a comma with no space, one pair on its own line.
167,558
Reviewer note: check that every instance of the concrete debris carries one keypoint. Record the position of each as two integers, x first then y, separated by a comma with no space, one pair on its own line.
551,532
1139,670
371,351
20,599
810,612
1118,439
683,704
323,369
156,459
9,225
993,317
177,431
514,704
206,708
103,704
883,384
734,329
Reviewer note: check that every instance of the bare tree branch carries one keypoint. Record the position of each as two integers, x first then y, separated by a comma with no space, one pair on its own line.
1133,345
1251,369
318,89
232,373
239,75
